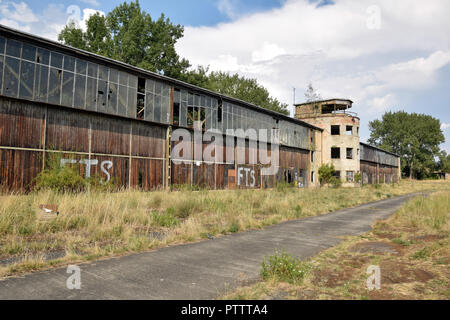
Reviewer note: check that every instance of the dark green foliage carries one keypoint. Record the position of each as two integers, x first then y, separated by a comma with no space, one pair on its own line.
130,35
415,137
326,173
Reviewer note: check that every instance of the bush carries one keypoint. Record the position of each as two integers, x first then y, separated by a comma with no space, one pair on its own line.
358,177
326,174
284,267
67,179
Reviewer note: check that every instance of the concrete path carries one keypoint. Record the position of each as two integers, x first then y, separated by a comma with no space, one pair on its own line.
200,270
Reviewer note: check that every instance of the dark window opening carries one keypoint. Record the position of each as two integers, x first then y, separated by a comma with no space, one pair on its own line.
357,131
349,153
140,106
349,130
335,153
140,179
219,111
176,113
312,156
337,174
312,176
335,130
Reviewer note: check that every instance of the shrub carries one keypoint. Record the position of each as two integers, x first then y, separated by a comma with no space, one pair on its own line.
358,177
67,179
326,174
284,267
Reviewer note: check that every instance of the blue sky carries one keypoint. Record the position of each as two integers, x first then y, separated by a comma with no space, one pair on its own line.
384,55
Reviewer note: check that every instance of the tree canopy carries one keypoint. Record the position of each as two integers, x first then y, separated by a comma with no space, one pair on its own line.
415,137
130,35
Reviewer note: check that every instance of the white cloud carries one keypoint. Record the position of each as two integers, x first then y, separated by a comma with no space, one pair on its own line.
269,51
332,47
19,12
445,126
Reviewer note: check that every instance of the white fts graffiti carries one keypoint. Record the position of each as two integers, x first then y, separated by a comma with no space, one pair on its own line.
104,166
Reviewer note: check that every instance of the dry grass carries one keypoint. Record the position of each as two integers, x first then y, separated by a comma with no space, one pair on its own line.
414,264
94,225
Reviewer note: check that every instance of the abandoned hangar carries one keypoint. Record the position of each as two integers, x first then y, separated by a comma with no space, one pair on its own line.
117,121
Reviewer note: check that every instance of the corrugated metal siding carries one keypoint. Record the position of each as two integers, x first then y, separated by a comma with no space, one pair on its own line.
377,156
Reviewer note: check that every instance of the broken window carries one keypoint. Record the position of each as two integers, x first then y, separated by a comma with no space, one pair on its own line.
335,130
335,153
350,176
54,88
102,93
140,109
312,156
337,174
349,153
312,176
219,111
349,130
176,106
43,56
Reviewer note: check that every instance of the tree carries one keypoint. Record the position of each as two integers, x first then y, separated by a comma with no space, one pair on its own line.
444,162
129,34
415,137
311,94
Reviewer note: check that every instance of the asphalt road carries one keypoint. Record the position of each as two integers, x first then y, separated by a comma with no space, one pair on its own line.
203,270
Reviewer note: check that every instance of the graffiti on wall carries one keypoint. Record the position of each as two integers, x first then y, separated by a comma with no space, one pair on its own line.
89,163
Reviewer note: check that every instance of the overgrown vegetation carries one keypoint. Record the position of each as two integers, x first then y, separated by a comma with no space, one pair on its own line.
95,224
412,249
327,176
284,267
66,178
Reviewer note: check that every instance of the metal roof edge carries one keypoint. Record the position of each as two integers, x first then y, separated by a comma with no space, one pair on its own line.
371,146
153,74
